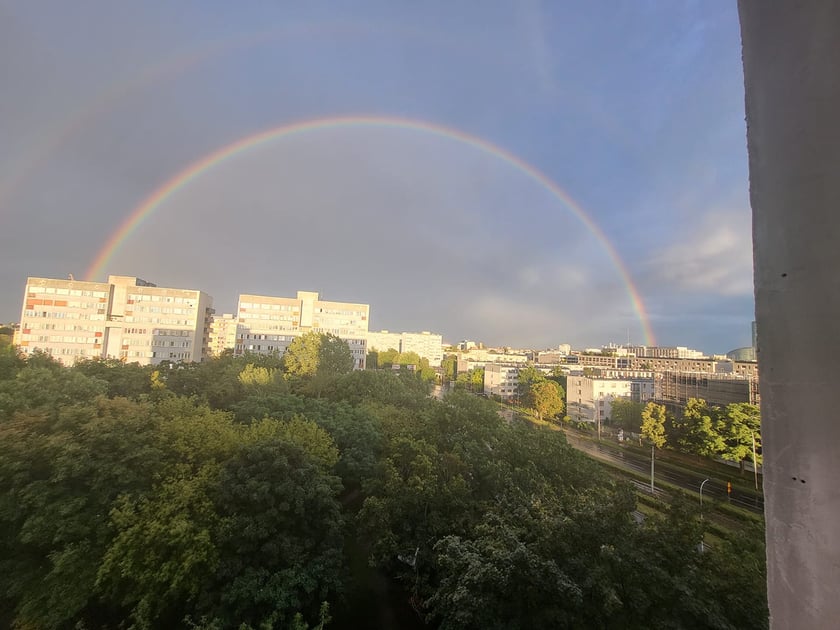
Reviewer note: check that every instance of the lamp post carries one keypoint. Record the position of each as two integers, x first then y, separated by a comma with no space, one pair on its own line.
701,497
598,417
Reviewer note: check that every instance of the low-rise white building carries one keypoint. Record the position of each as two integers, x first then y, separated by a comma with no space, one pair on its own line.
589,399
501,380
426,344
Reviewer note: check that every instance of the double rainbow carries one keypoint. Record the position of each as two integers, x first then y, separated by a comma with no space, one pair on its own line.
199,168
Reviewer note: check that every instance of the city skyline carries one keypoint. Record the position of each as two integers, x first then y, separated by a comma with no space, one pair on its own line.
544,175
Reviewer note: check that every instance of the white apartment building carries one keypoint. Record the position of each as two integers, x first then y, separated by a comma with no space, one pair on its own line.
501,380
426,344
223,331
384,340
124,318
269,324
590,399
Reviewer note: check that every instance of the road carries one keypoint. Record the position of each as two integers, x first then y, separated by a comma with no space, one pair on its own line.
715,488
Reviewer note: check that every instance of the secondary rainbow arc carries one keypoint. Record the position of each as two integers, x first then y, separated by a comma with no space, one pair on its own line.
198,168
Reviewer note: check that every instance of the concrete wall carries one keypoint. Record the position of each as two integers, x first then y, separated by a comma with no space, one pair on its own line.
791,54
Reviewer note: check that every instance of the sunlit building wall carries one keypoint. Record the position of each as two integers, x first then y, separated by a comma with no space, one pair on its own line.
384,340
501,380
590,399
125,318
426,344
223,329
268,324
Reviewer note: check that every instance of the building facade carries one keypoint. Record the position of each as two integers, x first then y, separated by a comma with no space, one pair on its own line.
269,324
124,318
673,389
589,399
426,344
223,333
501,380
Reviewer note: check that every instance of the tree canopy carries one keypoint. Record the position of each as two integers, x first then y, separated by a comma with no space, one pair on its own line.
231,494
318,354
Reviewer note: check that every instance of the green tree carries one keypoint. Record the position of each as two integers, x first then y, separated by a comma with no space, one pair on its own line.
742,433
547,397
653,430
528,377
318,354
450,368
477,379
472,380
698,431
627,414
558,376
11,362
253,376
387,358
60,473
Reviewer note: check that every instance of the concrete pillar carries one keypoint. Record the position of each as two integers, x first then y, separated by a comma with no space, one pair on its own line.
791,54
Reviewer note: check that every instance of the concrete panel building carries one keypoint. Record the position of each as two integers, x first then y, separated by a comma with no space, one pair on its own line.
590,399
426,344
223,332
124,318
501,380
268,324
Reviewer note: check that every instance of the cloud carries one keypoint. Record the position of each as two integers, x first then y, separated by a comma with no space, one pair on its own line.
712,254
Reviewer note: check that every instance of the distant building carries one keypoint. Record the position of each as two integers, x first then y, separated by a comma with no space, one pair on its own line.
589,399
673,389
480,358
501,380
653,364
426,344
742,354
269,324
124,318
665,352
223,333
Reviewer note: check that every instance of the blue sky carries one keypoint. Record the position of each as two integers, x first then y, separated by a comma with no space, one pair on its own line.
635,109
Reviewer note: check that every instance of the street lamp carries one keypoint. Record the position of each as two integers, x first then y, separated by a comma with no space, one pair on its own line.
701,496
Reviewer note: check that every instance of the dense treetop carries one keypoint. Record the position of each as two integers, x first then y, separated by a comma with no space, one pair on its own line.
242,490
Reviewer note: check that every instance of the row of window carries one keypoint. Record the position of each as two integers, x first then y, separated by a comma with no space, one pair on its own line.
270,317
67,327
164,332
73,352
99,316
63,291
64,339
333,311
269,307
167,310
265,337
131,319
143,297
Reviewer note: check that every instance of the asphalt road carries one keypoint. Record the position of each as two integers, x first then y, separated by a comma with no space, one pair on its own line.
714,489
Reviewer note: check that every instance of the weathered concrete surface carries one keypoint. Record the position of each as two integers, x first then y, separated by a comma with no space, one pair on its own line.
791,56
